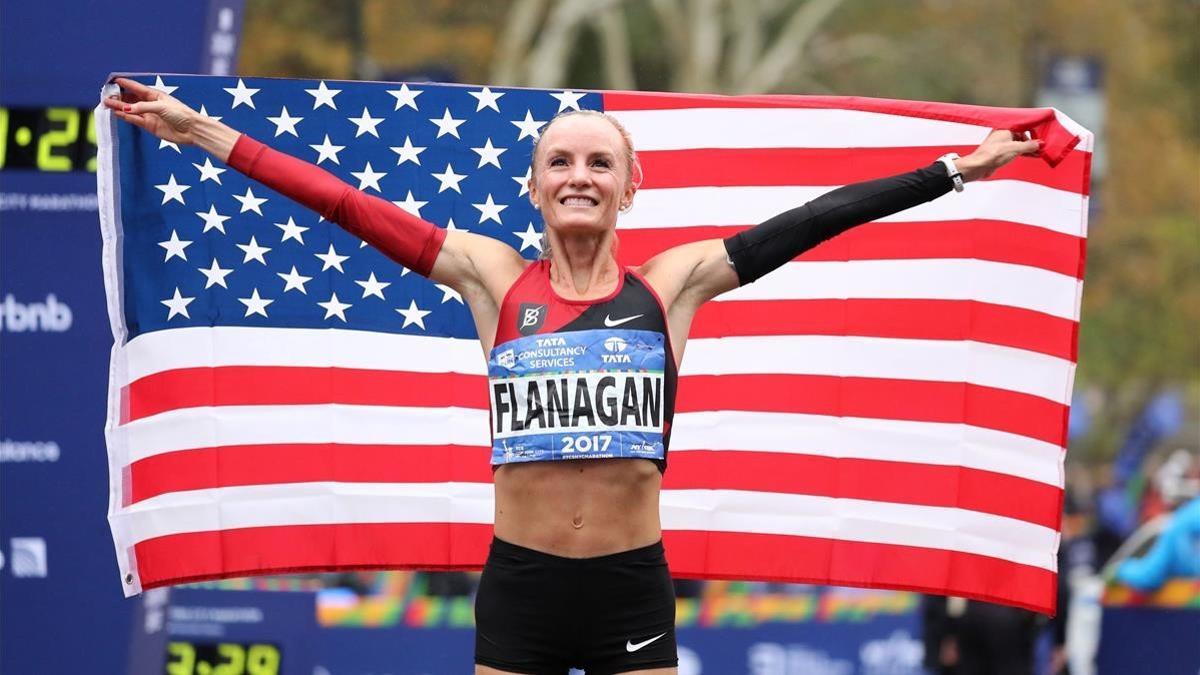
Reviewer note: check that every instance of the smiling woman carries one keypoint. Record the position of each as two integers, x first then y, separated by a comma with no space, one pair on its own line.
583,356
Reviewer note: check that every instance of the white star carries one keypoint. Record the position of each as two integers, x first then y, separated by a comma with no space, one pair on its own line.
407,152
323,95
250,202
449,294
253,251
568,99
162,86
327,150
211,117
449,180
168,144
335,307
530,237
209,172
447,125
294,281
490,210
489,154
175,246
523,181
254,304
411,205
486,99
373,286
242,94
292,231
332,259
451,226
529,126
178,305
366,124
413,315
215,275
172,191
368,177
405,96
212,219
285,123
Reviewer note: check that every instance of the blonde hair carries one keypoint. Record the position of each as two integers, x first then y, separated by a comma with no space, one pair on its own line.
633,167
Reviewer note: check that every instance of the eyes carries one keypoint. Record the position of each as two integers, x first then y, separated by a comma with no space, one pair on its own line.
599,162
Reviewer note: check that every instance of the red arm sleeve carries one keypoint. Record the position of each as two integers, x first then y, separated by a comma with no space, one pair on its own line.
401,236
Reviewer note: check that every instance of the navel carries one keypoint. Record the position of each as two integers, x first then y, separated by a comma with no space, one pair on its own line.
577,521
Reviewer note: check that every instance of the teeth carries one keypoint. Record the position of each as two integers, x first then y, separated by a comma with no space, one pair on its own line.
578,201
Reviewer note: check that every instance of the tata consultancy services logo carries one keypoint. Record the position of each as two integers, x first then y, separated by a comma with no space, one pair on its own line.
50,316
27,557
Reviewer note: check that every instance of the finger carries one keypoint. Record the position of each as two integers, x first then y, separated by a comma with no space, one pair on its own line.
135,120
137,88
143,107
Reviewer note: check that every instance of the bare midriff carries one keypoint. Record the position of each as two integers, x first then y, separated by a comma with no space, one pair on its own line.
580,508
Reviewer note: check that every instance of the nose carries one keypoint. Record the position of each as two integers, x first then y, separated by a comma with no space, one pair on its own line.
580,175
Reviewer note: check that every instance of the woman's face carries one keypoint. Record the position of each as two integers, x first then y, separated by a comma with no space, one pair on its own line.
580,179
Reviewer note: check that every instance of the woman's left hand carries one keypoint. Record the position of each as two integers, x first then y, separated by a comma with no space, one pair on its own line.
998,149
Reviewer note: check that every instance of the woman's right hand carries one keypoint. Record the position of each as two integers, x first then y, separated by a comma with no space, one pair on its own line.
169,119
161,114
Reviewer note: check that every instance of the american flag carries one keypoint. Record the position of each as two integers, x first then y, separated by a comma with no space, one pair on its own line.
889,410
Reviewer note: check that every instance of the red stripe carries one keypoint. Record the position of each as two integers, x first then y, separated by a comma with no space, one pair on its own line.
220,554
832,166
235,465
916,319
867,480
283,385
182,558
769,557
993,240
915,400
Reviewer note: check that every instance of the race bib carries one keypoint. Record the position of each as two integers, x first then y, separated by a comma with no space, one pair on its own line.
580,395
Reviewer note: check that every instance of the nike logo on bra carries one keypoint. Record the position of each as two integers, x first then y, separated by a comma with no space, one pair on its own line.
631,647
611,323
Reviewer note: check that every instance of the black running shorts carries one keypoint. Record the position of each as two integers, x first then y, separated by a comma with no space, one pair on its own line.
538,613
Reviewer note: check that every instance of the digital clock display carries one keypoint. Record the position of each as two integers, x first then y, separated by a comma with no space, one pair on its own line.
47,139
222,658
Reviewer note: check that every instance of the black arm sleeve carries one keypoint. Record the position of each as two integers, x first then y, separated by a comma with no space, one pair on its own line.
767,246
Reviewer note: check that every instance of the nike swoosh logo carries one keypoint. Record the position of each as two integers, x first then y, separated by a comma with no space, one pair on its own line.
608,321
631,647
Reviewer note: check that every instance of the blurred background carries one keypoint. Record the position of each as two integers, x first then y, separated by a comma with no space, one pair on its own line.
1129,71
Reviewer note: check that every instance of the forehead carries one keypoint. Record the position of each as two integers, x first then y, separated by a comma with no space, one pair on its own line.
583,133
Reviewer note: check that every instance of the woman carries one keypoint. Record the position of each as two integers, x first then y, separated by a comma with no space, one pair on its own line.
582,360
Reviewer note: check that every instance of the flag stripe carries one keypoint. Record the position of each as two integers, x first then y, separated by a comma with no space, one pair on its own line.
991,282
941,443
951,402
327,503
181,558
1013,201
900,482
724,555
915,319
773,165
994,240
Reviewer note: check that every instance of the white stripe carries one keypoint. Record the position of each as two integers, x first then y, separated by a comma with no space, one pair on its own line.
322,503
850,356
987,281
1014,201
215,426
323,348
937,443
934,527
789,127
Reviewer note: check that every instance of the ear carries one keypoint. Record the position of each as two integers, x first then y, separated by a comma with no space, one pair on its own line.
533,193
